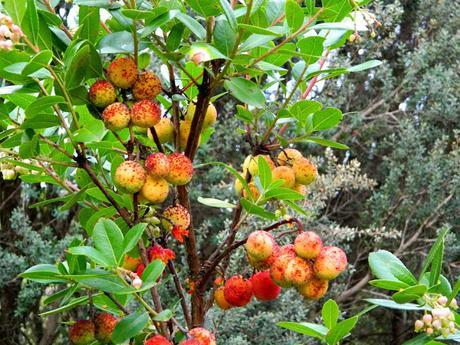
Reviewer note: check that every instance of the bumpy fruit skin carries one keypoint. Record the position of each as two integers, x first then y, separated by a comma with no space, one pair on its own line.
147,86
285,173
131,263
157,340
308,245
145,114
203,336
164,130
254,192
264,264
130,177
116,116
278,267
220,300
263,287
157,165
288,156
238,291
330,262
181,169
102,93
300,188
155,190
122,72
105,324
314,288
305,171
253,166
210,117
260,245
298,271
82,332
190,342
177,215
184,132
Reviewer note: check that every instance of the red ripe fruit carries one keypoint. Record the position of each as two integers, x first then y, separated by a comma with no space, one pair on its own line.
298,271
116,116
263,287
147,86
260,245
105,324
145,114
238,291
219,298
140,269
122,72
131,263
330,262
203,336
190,342
102,93
314,288
181,169
308,245
278,268
157,165
287,249
82,332
157,340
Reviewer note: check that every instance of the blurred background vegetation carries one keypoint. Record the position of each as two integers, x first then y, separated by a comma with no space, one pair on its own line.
395,189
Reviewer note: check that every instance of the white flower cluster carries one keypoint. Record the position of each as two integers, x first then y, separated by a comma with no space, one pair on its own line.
10,33
440,320
10,171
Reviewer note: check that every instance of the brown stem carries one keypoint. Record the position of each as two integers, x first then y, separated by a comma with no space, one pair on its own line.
156,139
180,291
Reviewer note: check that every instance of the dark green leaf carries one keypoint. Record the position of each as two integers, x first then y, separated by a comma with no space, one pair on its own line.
43,273
410,294
91,253
229,14
41,121
284,194
129,327
153,271
326,142
193,25
294,15
133,236
385,265
257,210
108,239
43,103
206,8
69,306
246,91
434,258
388,284
341,330
175,36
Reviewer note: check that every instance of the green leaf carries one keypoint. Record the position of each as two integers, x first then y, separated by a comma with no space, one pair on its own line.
89,23
153,271
330,313
91,253
215,203
258,30
43,103
129,327
410,294
133,236
75,302
434,258
104,281
38,61
386,303
175,36
30,22
283,194
138,14
385,265
76,71
41,121
108,239
16,9
207,8
341,330
229,14
364,66
164,316
193,25
244,114
116,43
252,208
325,142
224,37
335,10
388,284
97,3
246,91
294,15
306,328
455,290
265,174
325,119
311,48
211,53
43,273
302,109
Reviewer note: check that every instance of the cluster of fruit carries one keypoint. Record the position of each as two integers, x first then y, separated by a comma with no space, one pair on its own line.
296,171
197,336
84,332
306,265
152,180
440,320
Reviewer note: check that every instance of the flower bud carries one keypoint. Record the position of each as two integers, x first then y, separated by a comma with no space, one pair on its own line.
9,174
453,304
418,325
445,332
429,330
427,318
437,324
137,283
442,300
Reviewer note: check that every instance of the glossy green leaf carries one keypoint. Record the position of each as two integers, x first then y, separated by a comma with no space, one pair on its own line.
133,236
386,303
251,208
385,265
129,327
92,254
330,313
206,8
264,172
388,284
108,239
41,121
153,271
311,48
42,104
325,119
306,328
192,24
282,193
341,330
325,142
245,91
410,294
73,303
294,15
229,14
434,259
42,273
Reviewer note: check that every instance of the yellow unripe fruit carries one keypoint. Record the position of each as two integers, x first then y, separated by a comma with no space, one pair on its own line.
254,164
184,132
155,190
238,185
305,171
254,191
300,188
164,130
288,156
210,117
285,173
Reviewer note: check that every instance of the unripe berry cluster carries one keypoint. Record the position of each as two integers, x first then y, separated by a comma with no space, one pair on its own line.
291,167
440,321
84,332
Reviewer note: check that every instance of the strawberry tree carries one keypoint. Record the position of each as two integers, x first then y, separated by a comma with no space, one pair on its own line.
113,112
